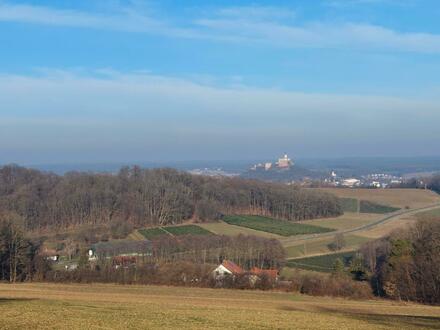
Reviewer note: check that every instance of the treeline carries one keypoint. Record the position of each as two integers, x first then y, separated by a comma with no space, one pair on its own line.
406,265
144,197
432,183
245,251
184,273
19,257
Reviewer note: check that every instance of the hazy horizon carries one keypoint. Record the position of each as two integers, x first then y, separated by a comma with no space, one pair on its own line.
148,81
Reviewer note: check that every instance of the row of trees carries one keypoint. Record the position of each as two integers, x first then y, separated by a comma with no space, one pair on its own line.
246,251
145,197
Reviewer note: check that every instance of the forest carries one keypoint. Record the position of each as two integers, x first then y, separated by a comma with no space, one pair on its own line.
405,265
148,197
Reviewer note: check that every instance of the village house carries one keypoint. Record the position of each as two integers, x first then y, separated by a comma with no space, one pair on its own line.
271,274
227,268
123,262
49,254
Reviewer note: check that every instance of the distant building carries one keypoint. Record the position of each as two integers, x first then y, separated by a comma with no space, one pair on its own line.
351,182
49,254
125,248
376,184
284,162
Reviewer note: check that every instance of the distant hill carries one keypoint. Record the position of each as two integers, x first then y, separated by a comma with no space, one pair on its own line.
294,173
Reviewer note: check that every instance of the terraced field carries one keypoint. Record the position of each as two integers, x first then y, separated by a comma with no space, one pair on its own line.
274,226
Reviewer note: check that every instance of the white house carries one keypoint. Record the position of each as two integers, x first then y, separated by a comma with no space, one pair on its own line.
227,268
351,182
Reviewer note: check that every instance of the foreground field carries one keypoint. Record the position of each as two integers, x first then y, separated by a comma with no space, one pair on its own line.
52,306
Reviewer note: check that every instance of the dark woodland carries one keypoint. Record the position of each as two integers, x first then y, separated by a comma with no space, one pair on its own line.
148,197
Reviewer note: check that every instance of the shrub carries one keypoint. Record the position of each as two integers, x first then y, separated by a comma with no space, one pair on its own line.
329,285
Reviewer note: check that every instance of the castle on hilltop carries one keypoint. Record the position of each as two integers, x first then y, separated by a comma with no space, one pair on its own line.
283,163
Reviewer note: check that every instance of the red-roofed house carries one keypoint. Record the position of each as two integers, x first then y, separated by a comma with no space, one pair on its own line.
227,268
270,273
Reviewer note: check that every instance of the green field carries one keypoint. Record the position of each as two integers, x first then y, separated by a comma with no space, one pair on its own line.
279,227
99,306
354,206
371,207
322,263
187,230
349,204
152,233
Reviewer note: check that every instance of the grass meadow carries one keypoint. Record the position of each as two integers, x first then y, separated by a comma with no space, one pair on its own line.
346,221
399,198
323,263
222,228
279,227
371,207
99,306
152,233
321,246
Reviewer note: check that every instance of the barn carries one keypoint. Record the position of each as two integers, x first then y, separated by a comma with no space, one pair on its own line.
125,248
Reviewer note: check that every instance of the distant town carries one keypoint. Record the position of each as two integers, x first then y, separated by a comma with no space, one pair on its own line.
284,169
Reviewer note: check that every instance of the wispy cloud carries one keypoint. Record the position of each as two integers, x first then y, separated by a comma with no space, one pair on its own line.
325,35
353,3
124,19
105,92
257,12
266,25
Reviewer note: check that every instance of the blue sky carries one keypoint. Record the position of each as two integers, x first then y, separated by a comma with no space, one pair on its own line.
127,81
